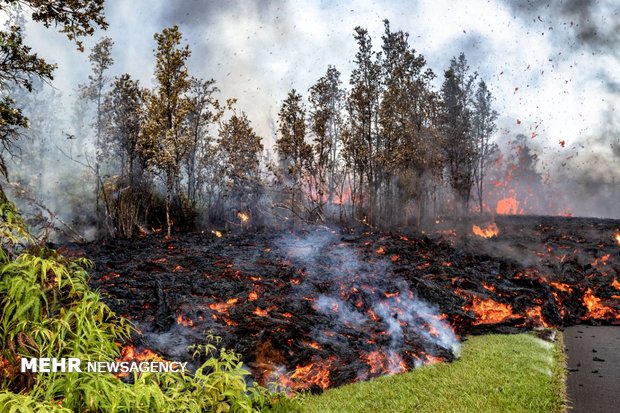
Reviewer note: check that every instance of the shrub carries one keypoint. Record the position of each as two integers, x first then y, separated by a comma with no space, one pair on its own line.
48,310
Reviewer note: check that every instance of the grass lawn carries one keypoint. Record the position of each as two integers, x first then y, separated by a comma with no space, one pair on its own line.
496,373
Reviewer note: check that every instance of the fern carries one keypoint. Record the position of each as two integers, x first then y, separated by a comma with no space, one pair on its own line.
48,310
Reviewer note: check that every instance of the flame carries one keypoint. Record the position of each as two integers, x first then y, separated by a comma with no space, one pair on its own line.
217,233
244,217
508,205
615,284
380,250
306,376
252,296
490,311
617,237
490,231
184,322
595,307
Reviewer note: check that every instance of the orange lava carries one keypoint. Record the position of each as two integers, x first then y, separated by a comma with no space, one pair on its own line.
490,231
535,314
311,374
244,217
507,206
222,307
490,311
184,322
617,237
596,309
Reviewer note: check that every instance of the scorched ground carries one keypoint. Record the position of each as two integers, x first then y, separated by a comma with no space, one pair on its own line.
321,307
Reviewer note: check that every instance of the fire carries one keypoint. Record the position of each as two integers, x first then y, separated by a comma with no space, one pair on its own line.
507,206
380,251
617,237
394,257
615,284
490,311
596,309
252,296
184,322
217,233
243,216
490,231
129,353
303,377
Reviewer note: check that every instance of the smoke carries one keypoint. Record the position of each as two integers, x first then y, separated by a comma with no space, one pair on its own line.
550,65
343,283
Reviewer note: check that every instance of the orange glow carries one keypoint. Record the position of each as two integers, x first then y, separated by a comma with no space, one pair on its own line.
394,257
311,374
617,237
432,359
615,284
602,260
217,233
244,217
223,306
596,309
508,206
380,250
184,322
490,311
252,296
490,231
263,312
535,314
561,286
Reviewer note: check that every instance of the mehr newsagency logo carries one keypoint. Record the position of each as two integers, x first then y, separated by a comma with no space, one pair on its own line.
71,364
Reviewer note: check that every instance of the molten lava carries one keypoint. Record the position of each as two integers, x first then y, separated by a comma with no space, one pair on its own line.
490,231
596,309
490,311
507,206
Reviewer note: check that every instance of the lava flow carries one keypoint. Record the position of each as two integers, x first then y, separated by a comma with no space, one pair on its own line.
318,309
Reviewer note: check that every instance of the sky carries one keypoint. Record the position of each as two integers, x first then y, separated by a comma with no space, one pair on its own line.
552,66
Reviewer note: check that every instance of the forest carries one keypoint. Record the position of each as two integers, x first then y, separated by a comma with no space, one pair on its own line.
383,148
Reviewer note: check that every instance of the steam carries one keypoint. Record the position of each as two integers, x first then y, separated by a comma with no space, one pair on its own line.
327,259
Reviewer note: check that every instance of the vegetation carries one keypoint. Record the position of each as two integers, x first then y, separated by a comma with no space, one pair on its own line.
496,373
49,311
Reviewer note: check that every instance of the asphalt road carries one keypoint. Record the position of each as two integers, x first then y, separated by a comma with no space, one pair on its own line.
594,368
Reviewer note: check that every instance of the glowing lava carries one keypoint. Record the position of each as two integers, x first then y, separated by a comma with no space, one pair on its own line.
490,311
617,236
596,309
244,217
490,231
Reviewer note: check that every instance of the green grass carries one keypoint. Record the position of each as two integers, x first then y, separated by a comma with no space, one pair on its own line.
496,373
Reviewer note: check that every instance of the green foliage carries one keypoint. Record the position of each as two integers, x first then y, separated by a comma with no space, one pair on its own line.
47,310
496,373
